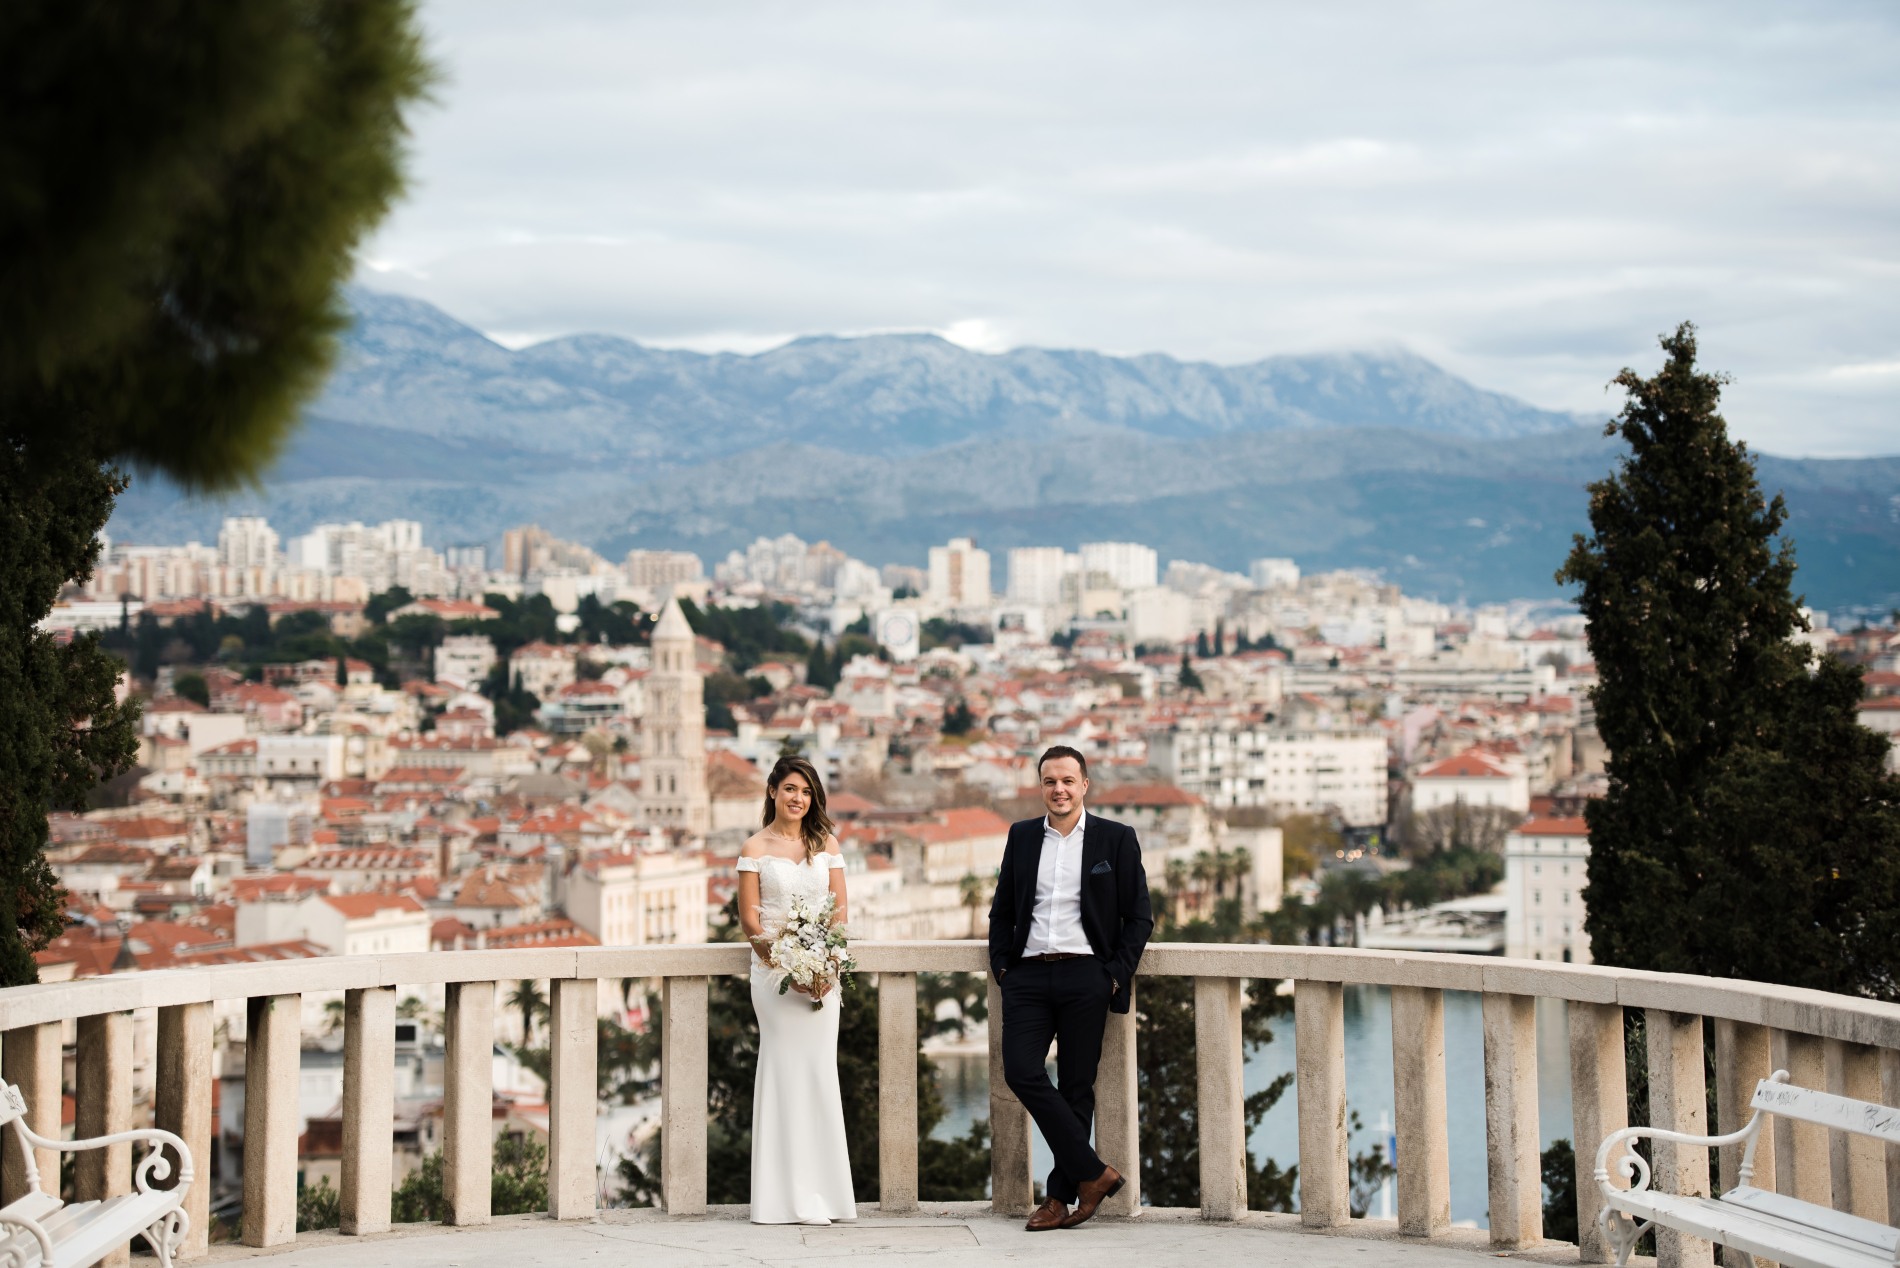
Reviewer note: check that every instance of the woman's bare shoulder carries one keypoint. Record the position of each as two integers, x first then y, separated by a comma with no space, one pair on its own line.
832,845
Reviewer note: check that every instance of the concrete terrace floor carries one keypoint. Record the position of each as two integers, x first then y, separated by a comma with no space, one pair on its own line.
946,1234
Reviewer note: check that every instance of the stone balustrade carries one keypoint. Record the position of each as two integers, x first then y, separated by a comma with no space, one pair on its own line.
1843,1044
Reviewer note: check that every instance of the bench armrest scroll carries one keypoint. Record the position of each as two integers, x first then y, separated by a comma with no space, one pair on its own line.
153,1166
14,1258
1634,1168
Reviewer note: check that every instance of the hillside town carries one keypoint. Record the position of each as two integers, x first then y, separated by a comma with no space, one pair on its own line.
357,745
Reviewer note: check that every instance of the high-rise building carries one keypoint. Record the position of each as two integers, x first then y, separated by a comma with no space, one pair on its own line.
1127,565
673,736
658,569
1036,573
960,574
1274,574
247,541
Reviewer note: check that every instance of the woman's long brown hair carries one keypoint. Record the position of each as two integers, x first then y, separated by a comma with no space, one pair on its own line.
815,829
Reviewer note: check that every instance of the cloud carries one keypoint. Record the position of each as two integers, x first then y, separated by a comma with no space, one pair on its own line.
1525,194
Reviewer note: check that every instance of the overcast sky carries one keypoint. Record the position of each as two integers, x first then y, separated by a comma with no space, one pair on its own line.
1524,192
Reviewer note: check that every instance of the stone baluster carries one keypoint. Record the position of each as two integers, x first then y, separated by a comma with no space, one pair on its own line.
369,1107
1742,1060
1510,1120
1118,1110
896,1093
182,1105
1890,1095
683,1055
1802,1166
1221,1108
273,1040
1012,1185
1419,1122
1319,1055
102,1088
1859,1163
468,1102
30,1059
1679,1102
1599,1105
573,1096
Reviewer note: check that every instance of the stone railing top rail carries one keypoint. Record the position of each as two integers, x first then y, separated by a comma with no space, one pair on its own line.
1821,1013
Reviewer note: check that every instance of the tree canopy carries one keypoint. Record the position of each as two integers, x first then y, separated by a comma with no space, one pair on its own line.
1750,828
184,194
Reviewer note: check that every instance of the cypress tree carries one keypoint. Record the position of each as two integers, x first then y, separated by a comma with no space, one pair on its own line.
185,191
1743,795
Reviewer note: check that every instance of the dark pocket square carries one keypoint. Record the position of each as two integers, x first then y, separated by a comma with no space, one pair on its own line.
1101,869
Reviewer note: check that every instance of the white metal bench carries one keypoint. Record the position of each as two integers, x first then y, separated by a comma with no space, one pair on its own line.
37,1230
1793,1233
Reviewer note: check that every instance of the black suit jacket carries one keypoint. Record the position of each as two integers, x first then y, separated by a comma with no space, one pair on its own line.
1115,913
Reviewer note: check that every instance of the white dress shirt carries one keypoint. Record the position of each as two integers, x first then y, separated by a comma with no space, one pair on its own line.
1055,924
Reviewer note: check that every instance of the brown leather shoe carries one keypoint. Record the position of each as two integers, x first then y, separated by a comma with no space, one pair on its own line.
1053,1213
1091,1195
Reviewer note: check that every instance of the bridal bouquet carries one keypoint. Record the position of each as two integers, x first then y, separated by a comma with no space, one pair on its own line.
808,949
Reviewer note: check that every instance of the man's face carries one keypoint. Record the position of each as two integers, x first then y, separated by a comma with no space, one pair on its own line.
1063,786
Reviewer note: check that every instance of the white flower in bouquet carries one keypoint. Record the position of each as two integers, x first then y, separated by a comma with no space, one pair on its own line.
808,950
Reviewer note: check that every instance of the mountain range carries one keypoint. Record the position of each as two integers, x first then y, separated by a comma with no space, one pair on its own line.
886,444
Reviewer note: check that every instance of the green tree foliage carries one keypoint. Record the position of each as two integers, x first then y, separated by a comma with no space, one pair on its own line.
821,669
1560,1191
939,632
381,605
318,1206
749,635
1750,827
1189,680
192,687
514,704
518,1183
957,719
617,624
183,199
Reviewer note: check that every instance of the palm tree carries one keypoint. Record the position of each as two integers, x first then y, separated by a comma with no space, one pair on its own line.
972,893
528,998
1174,879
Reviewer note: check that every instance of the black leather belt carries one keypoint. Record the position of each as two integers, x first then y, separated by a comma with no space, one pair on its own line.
1056,955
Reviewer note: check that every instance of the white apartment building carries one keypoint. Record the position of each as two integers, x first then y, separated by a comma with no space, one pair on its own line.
1546,864
541,668
464,660
662,569
1472,779
1274,574
959,575
299,760
1285,769
1160,616
640,898
1036,573
247,541
1128,565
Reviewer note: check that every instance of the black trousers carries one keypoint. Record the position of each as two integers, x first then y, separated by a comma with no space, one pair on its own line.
1067,1001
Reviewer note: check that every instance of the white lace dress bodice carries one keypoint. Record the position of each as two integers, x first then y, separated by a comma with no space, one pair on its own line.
781,880
801,1162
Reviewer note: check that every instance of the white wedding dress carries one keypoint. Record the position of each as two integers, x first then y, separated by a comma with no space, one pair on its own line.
801,1167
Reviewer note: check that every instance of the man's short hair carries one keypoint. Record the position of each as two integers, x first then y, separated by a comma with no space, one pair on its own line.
1062,750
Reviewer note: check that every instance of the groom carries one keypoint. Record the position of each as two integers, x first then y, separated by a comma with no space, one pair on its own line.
1067,927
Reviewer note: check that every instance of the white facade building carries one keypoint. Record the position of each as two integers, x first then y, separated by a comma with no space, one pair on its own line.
464,660
1289,770
959,575
1546,865
1274,574
640,898
247,541
1036,573
1472,779
1128,565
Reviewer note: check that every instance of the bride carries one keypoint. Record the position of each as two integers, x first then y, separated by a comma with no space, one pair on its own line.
801,1168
